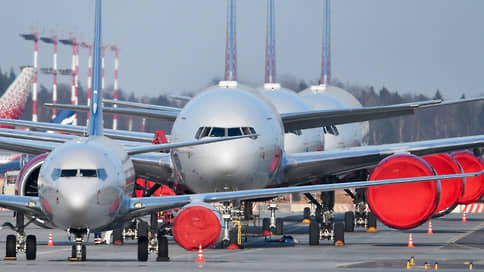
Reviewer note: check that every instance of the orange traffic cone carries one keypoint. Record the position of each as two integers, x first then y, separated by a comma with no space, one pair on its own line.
429,231
200,258
464,218
51,241
410,240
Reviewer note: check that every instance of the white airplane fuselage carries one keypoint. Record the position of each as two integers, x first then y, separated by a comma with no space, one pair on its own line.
243,164
304,140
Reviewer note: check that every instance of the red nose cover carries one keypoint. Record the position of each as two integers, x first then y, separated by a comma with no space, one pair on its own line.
195,226
406,205
474,187
451,189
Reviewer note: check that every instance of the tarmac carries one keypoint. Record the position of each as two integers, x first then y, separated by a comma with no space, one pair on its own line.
454,246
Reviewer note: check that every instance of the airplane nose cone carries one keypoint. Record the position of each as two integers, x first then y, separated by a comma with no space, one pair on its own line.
76,203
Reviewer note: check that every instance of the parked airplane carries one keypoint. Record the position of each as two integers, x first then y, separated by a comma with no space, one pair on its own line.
292,121
86,184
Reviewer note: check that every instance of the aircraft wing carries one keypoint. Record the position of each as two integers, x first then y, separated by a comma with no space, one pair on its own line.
145,205
301,167
153,166
320,118
80,130
33,147
159,147
26,204
141,105
148,113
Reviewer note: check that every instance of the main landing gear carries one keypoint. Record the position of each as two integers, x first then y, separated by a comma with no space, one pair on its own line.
273,224
362,217
153,242
322,225
20,243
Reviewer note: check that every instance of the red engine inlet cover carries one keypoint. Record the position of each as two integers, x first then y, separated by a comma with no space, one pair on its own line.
403,206
451,189
195,226
474,187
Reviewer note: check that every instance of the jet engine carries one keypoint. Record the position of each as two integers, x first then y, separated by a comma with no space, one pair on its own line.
451,189
197,224
27,179
406,205
474,187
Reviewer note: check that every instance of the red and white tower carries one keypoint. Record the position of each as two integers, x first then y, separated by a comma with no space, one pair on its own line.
89,73
116,66
34,37
53,40
73,42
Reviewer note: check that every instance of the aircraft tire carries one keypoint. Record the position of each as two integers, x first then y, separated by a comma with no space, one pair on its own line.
143,229
371,220
83,253
266,223
313,233
11,250
339,234
279,226
118,236
349,221
31,247
306,213
142,248
74,252
318,215
162,248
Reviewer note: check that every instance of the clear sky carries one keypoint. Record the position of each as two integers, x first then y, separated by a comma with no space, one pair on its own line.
410,46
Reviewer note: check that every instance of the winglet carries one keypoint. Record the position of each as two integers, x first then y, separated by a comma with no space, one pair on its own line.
95,125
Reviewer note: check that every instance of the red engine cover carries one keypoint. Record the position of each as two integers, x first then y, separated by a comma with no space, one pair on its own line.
451,190
408,205
474,187
195,226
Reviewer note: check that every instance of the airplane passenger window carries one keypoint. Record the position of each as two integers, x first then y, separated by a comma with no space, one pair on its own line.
68,173
102,174
234,132
55,173
88,173
217,132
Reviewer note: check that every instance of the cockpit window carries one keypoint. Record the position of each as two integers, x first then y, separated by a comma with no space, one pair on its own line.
55,173
92,173
68,173
222,132
331,129
217,132
296,131
101,172
234,132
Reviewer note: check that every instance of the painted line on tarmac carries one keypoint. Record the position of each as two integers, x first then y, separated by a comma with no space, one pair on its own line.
458,237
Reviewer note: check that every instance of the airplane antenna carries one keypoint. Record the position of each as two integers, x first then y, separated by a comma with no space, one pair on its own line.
326,69
270,44
95,125
230,45
34,36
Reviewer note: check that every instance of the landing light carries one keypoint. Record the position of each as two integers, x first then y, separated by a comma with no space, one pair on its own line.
138,205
